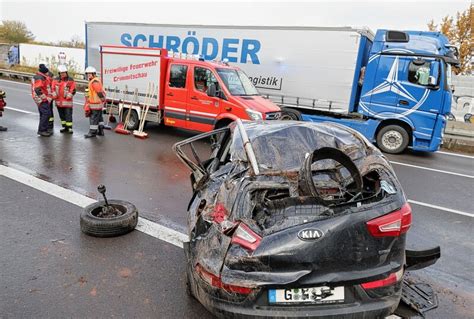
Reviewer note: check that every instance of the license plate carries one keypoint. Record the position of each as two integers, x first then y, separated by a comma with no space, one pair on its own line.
314,295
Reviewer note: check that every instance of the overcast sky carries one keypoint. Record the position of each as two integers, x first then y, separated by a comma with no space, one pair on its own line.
52,21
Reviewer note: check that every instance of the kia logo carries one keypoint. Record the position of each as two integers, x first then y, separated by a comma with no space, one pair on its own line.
310,234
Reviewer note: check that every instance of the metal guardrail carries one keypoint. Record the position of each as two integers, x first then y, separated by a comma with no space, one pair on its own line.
25,76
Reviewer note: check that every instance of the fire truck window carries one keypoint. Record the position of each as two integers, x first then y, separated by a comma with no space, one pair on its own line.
419,72
203,78
178,76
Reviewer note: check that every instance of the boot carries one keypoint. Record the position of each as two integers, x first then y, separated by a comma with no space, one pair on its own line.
101,130
64,130
50,131
90,134
3,129
45,134
69,130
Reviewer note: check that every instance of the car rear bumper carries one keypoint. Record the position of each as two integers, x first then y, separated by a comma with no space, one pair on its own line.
253,307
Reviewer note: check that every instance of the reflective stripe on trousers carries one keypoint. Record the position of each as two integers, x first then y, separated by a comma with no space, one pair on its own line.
95,120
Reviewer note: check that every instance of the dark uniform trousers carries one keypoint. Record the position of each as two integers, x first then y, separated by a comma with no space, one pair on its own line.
96,119
51,117
46,121
65,114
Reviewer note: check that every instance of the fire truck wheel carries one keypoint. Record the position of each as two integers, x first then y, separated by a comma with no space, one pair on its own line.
392,139
122,218
290,115
133,121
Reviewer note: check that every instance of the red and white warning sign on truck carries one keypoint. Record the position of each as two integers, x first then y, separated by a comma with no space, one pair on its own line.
131,68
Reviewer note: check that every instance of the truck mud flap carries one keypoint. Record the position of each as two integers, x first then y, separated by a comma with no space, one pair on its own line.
417,298
418,259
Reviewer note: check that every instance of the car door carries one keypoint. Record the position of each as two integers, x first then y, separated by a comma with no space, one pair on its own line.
202,109
176,95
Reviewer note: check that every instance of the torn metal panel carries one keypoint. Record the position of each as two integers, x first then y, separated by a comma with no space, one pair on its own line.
302,221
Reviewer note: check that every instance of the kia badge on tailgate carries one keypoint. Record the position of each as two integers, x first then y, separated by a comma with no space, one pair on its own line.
310,234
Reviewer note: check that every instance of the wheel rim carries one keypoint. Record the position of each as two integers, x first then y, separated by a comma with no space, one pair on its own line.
131,121
392,140
288,117
285,118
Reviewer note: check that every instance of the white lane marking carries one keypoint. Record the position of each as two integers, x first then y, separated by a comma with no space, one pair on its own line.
454,154
432,169
161,232
18,110
145,226
8,81
441,208
28,92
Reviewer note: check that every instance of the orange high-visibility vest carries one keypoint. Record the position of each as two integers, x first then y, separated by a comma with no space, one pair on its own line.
94,101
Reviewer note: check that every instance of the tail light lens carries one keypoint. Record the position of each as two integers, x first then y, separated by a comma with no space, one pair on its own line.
393,278
216,282
246,237
219,214
393,224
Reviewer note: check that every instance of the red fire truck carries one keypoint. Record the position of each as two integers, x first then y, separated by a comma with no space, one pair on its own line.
184,91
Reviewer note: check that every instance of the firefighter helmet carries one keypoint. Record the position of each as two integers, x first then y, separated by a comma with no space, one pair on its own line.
90,69
62,68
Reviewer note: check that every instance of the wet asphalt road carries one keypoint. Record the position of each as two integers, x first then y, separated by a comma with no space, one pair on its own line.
147,173
49,269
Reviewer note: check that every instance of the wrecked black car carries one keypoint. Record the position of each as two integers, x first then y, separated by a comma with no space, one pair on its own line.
295,219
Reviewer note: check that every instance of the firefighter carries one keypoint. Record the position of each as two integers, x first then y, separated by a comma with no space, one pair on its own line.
2,108
41,93
95,99
63,91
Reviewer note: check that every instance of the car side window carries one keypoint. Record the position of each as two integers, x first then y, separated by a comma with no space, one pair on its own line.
419,72
203,78
178,76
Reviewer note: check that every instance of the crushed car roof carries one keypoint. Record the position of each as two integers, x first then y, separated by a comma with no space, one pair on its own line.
274,142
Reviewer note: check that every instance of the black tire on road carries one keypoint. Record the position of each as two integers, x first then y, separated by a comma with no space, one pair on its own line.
109,227
290,115
392,139
133,121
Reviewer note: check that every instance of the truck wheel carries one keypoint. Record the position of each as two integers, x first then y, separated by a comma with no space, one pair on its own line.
133,121
392,139
95,223
290,115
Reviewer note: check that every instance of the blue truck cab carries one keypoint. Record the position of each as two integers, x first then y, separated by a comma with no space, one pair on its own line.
401,92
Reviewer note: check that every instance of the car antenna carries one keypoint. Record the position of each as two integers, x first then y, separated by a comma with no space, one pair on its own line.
248,147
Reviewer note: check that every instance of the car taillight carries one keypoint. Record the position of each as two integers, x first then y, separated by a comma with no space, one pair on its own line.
393,278
216,282
219,214
246,237
391,225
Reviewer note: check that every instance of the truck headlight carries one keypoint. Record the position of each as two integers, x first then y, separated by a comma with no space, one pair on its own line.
254,115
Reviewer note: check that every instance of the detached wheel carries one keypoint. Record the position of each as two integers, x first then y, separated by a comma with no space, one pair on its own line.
290,115
133,121
123,222
392,139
